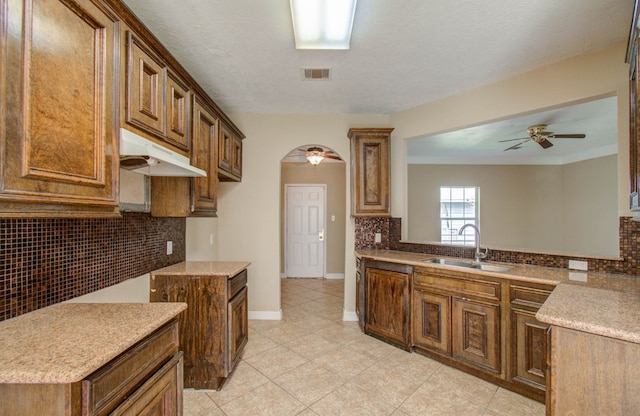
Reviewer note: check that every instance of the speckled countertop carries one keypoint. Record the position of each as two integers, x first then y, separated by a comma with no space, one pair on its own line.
213,268
598,303
66,342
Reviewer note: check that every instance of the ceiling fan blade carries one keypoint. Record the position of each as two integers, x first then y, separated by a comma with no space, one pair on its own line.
516,146
332,157
510,140
545,144
568,136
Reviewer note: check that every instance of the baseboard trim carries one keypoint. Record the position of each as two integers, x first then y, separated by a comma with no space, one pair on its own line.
334,276
349,316
265,315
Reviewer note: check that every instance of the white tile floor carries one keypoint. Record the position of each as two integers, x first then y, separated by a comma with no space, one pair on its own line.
313,363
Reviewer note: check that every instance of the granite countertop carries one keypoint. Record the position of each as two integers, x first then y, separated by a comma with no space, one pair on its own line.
66,342
598,303
208,268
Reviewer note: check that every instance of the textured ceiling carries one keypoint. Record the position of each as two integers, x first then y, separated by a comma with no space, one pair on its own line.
403,52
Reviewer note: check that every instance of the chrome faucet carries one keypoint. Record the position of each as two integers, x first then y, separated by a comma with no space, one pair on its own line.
479,254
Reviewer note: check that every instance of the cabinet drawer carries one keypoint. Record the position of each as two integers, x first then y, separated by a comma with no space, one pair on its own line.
236,283
462,285
527,296
106,388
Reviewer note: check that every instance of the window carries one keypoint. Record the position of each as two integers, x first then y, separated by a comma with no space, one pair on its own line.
458,206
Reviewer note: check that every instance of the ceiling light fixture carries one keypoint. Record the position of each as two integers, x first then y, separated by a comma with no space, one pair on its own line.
322,24
315,155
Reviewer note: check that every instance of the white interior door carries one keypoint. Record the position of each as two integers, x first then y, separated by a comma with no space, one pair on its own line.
305,230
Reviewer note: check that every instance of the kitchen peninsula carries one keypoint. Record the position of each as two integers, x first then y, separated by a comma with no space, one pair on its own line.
492,323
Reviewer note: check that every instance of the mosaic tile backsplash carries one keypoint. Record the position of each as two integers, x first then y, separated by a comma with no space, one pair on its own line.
390,228
46,261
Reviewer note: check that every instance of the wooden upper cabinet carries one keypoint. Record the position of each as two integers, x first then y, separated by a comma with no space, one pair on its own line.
156,99
146,75
58,136
178,112
184,197
370,172
204,191
229,154
634,111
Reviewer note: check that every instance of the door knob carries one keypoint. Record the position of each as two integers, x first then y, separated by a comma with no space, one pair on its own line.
321,234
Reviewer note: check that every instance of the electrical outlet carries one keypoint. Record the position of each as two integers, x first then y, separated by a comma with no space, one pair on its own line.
378,238
169,247
210,239
578,265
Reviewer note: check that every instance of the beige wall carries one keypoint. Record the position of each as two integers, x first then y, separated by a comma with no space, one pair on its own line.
249,212
585,77
569,209
332,175
248,225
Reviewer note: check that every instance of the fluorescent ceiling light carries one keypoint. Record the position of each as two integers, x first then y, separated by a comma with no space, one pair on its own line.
322,24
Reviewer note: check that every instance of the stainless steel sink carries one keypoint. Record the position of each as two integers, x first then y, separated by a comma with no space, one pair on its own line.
468,265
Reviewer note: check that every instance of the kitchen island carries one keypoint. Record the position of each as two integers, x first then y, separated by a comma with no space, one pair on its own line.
214,329
81,358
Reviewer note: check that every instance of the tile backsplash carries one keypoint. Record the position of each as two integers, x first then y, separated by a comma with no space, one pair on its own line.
390,228
50,260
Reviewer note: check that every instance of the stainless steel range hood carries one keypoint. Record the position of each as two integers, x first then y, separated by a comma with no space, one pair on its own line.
141,155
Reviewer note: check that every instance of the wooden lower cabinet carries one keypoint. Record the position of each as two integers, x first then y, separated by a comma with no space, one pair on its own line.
482,325
528,339
475,333
608,385
387,307
463,328
237,328
431,321
529,345
360,293
214,327
146,379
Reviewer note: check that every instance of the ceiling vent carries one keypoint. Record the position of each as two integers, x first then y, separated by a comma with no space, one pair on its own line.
316,74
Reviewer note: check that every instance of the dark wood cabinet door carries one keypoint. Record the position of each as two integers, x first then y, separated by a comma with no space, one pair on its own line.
202,324
161,395
360,298
204,191
236,161
529,349
476,333
431,321
178,112
58,132
387,305
370,172
146,75
238,328
633,59
225,148
229,155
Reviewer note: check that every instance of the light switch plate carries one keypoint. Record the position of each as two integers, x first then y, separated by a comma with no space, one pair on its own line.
169,247
378,238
